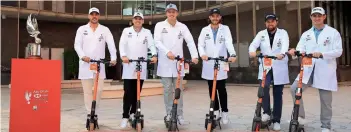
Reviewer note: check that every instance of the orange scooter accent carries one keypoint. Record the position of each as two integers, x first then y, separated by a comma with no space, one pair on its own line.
138,122
211,122
92,122
294,125
172,124
257,123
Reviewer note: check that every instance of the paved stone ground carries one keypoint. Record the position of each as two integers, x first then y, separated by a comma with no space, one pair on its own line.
242,101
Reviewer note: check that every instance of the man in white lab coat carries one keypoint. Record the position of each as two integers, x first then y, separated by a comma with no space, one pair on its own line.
90,43
320,40
216,40
169,36
134,43
272,42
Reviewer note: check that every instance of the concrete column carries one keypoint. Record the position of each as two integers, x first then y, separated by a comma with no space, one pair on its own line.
58,6
341,22
347,39
273,6
299,17
254,18
329,13
237,32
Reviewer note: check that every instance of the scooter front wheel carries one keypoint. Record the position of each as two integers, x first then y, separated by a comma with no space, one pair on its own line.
172,127
91,126
256,126
293,128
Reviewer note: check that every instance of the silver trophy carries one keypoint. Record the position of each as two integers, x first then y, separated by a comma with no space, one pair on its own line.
33,49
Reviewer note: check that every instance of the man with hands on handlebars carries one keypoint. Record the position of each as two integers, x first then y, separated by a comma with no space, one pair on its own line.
320,41
90,43
272,42
214,41
134,43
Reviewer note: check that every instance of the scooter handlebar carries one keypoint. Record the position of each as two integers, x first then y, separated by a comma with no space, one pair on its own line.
140,59
220,58
298,53
178,58
100,61
265,56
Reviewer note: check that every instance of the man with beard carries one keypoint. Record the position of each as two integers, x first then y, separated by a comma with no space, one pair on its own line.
214,41
90,43
135,42
169,37
320,40
272,42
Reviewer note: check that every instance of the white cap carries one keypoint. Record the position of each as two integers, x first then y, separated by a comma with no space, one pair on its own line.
171,6
138,14
94,9
318,10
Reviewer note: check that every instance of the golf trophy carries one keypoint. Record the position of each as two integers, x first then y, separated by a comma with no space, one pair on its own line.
33,49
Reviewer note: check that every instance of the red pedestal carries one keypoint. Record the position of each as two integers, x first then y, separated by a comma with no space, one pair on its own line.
35,95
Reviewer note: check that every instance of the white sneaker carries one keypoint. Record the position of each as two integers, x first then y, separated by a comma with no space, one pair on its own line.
225,118
181,120
168,117
265,117
124,123
325,130
302,121
276,126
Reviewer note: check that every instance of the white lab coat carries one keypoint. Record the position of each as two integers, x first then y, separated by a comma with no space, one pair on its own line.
169,38
280,46
207,46
330,45
93,44
134,45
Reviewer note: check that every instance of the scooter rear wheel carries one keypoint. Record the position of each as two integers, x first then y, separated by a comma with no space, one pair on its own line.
139,127
256,126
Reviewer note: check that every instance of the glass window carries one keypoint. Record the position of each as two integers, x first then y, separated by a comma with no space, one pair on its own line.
128,7
159,7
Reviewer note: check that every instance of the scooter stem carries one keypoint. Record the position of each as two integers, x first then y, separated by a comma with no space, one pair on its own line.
96,81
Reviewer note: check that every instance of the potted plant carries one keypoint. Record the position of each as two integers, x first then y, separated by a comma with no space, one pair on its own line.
71,63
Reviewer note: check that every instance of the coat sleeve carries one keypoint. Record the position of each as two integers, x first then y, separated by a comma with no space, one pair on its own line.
158,40
301,44
190,43
201,43
285,43
336,50
151,44
78,43
229,42
255,43
111,44
122,43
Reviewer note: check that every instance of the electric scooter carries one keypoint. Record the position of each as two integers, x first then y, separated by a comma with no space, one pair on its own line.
92,118
211,122
257,123
138,122
172,123
294,125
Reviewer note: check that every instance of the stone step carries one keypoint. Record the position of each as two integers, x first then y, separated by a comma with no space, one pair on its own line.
78,83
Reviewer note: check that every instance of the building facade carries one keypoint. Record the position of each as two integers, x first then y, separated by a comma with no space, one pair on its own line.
59,20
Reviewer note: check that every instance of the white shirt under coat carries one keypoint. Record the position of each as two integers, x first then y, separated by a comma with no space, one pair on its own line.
92,44
134,45
169,38
207,46
280,46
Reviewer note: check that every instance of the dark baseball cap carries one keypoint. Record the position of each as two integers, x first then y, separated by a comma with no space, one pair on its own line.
215,10
271,16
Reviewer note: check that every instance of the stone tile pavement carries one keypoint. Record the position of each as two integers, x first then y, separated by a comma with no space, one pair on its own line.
241,98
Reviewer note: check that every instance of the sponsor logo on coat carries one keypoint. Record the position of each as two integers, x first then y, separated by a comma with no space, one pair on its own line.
327,41
180,35
207,37
85,32
101,38
145,40
164,30
279,44
308,37
129,35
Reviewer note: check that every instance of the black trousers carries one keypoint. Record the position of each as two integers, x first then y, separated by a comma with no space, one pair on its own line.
222,91
130,96
277,98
